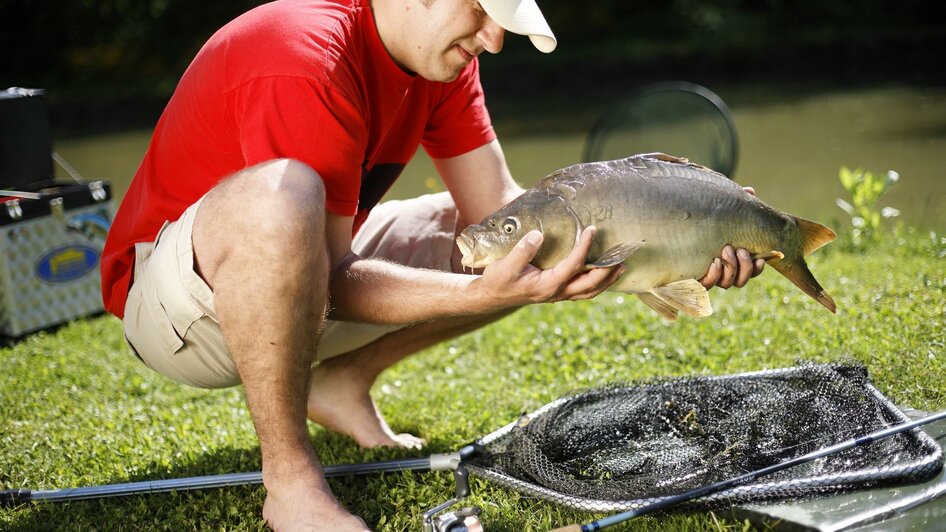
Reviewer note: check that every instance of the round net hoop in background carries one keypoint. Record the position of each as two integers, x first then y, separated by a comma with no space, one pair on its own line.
674,117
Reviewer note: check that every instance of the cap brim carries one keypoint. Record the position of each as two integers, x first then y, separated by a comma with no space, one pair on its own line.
522,17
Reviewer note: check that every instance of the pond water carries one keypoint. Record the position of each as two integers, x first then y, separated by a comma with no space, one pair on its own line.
792,144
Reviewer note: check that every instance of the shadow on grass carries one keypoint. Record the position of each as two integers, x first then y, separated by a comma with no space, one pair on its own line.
11,341
237,507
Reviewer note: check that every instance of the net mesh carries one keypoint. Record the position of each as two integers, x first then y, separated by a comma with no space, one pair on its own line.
623,446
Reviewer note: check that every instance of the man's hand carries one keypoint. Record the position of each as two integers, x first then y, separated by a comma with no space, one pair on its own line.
733,268
514,282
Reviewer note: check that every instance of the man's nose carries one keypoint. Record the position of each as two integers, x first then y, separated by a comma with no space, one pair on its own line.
491,34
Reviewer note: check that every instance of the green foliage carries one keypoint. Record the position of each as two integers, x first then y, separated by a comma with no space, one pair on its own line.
78,408
865,189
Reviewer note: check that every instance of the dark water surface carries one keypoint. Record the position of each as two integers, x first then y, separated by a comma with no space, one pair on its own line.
793,143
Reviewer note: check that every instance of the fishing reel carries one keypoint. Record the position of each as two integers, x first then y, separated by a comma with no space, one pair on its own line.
465,519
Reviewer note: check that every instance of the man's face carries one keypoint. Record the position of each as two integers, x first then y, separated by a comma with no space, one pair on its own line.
445,37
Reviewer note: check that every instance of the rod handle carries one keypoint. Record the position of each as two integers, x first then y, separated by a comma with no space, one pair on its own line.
10,498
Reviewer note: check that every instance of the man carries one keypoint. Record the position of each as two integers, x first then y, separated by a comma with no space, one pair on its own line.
232,260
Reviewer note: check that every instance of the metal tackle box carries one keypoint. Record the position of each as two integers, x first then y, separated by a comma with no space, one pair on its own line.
50,243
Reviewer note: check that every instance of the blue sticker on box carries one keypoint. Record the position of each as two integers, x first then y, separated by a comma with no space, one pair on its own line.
66,263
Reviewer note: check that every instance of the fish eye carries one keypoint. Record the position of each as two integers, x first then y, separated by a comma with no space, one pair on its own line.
510,225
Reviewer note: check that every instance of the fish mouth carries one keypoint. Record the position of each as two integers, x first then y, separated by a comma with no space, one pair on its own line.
472,258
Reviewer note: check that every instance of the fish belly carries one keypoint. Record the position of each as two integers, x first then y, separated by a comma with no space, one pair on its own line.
684,256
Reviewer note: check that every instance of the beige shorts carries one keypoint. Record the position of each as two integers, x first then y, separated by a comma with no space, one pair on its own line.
170,321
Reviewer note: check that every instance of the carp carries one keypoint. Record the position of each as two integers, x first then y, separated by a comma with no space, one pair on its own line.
664,217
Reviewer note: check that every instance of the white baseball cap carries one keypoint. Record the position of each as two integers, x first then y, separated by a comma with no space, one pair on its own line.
522,17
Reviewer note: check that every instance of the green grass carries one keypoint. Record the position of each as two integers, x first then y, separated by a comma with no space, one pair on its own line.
78,409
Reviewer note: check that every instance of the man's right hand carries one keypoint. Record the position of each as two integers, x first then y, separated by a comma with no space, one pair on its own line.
514,282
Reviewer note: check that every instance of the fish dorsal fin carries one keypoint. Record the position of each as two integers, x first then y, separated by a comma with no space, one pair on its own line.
687,296
659,305
813,235
616,255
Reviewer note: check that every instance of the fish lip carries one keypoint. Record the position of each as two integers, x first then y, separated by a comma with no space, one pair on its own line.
465,242
467,245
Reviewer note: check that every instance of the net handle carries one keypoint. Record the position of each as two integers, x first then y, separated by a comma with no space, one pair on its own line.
434,462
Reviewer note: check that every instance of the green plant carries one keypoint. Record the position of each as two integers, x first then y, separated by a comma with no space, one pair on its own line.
865,189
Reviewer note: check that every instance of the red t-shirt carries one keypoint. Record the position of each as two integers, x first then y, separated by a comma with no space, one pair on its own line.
304,79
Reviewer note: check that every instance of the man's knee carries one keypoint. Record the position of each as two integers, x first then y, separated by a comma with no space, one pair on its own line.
278,199
282,187
273,209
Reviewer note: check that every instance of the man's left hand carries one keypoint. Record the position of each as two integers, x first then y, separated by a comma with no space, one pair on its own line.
733,268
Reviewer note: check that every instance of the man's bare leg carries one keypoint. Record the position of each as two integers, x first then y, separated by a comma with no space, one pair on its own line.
259,242
339,387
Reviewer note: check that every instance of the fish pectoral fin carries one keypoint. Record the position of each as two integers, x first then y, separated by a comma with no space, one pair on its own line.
662,307
615,255
687,296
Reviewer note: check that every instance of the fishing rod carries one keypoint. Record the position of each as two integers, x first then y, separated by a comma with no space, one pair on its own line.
748,477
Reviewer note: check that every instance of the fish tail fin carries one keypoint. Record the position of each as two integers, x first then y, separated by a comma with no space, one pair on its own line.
813,235
797,272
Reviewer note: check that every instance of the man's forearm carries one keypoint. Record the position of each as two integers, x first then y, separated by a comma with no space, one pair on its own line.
374,291
377,291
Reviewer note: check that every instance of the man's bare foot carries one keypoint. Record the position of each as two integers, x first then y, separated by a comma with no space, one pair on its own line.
305,510
339,400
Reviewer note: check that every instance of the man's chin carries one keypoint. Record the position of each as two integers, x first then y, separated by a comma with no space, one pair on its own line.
446,75
444,72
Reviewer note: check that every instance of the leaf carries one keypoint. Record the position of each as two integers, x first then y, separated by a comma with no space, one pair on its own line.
847,178
877,186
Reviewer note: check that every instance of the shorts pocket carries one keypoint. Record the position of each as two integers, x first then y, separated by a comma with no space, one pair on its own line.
171,301
148,329
178,314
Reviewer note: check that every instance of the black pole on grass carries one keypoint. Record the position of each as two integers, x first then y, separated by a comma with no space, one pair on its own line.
434,462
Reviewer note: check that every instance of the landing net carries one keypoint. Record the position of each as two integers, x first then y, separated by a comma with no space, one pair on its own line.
621,447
